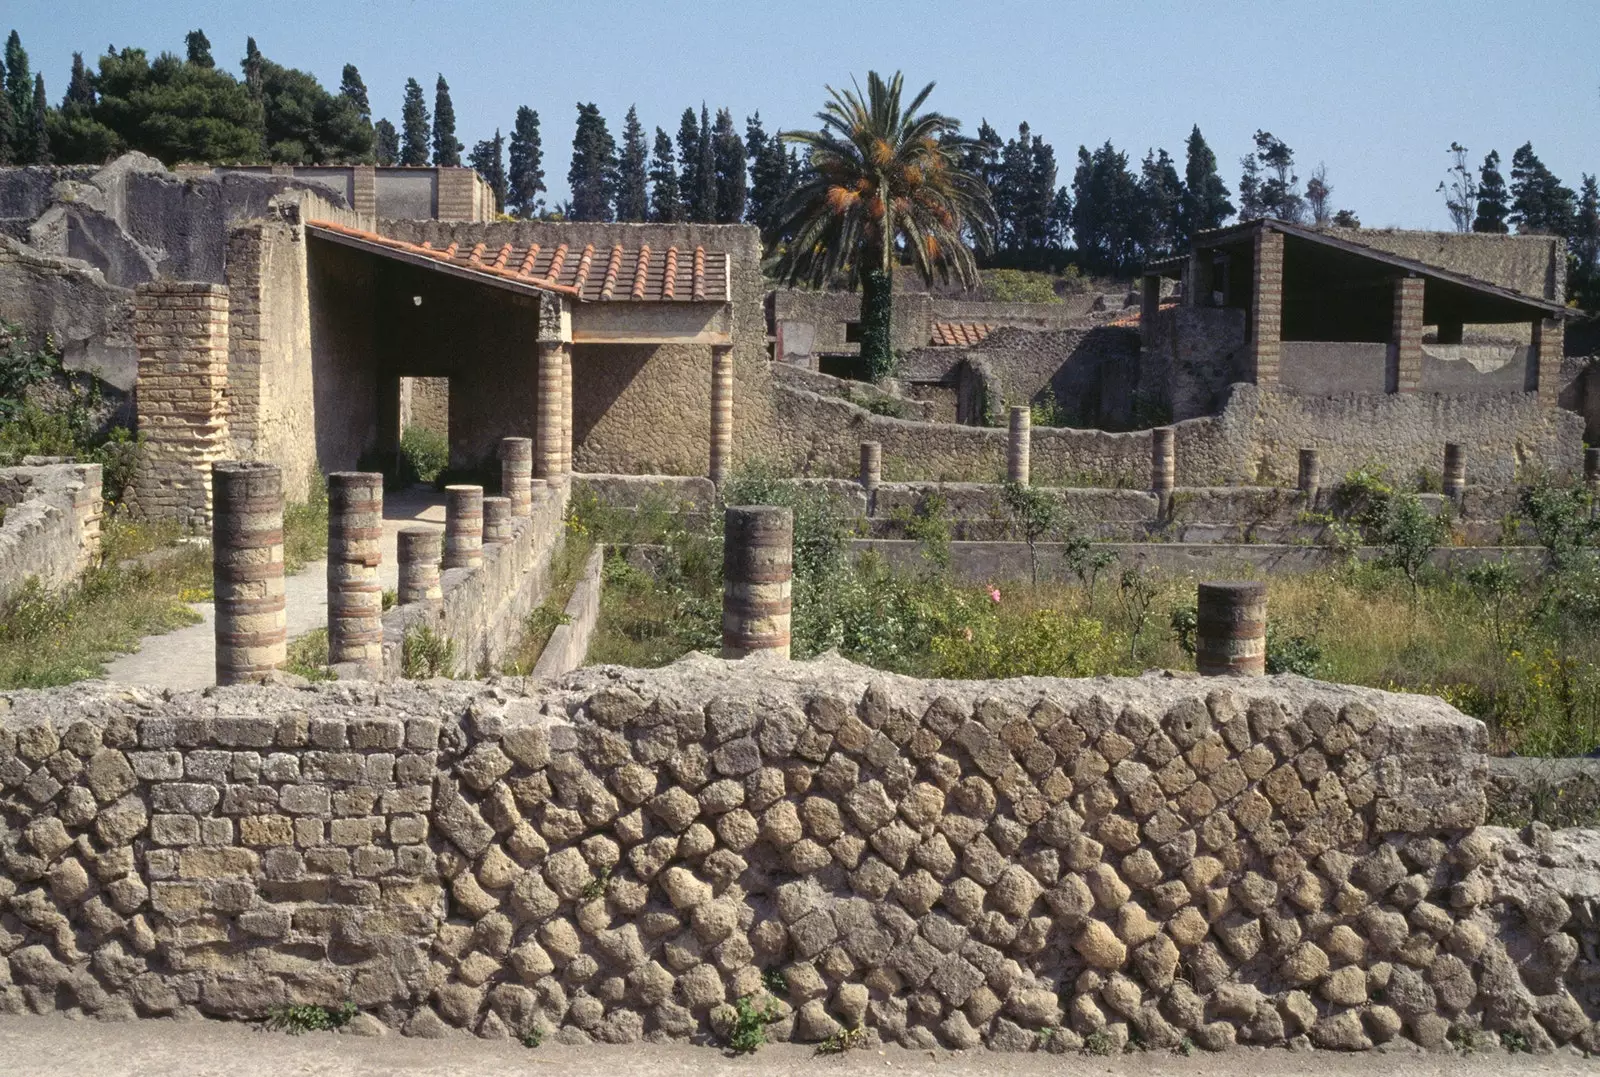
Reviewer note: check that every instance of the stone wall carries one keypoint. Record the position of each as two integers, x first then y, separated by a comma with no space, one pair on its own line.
71,304
425,403
622,854
569,641
1190,356
484,609
49,524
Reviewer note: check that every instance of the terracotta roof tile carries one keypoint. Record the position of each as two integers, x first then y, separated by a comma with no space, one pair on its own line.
959,334
628,275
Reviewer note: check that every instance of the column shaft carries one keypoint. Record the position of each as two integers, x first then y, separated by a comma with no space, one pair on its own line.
516,474
247,570
419,554
463,526
1019,450
355,595
1406,338
757,569
721,412
1231,634
547,431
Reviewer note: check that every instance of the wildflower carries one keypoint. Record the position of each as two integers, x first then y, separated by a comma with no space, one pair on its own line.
994,594
968,633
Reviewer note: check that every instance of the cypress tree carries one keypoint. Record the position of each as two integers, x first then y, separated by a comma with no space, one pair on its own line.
732,184
1160,193
593,172
7,124
688,162
414,126
198,48
666,204
1205,197
1540,204
80,88
252,67
633,197
525,181
386,142
488,159
355,91
704,194
446,149
1583,281
769,175
38,141
1494,203
19,91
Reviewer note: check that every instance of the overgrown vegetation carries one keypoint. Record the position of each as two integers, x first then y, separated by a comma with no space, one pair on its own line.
308,656
307,1017
565,569
425,654
749,1029
423,454
305,527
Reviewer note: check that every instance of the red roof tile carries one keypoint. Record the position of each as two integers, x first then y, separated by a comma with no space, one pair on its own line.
627,275
959,334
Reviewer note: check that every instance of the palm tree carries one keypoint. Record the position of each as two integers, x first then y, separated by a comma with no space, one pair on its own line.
885,183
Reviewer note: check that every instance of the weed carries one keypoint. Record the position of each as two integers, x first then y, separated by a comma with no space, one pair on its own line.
1185,1047
596,887
391,599
308,656
776,983
425,654
305,527
532,1037
749,1030
846,1039
1099,1042
1136,592
306,1017
1515,1042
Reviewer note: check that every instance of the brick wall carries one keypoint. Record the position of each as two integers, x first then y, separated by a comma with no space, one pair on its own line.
1266,306
181,331
1406,340
622,854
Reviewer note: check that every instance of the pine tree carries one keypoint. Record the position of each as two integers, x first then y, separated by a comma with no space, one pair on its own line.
303,123
488,159
1251,205
76,137
385,142
981,157
1583,249
633,196
705,172
198,48
252,67
1160,196
688,163
37,144
732,183
1346,219
1280,190
80,87
7,123
352,89
666,204
1041,201
769,175
593,172
1539,203
414,131
525,180
1205,197
1010,192
174,111
446,148
1105,208
1494,203
19,94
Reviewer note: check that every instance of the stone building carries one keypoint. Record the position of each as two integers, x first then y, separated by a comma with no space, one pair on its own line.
400,192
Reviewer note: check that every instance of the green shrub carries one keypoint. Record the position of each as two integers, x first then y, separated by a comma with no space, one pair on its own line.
423,454
425,654
295,1019
1018,286
749,1029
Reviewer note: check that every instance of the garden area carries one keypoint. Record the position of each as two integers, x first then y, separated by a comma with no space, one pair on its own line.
1515,647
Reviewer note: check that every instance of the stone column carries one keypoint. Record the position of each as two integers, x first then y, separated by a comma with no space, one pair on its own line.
463,527
247,570
418,549
181,331
516,474
1310,472
871,468
1019,449
566,410
757,567
1545,360
538,492
721,412
1163,460
548,457
355,596
497,520
1406,336
1455,470
1591,470
1231,636
1266,306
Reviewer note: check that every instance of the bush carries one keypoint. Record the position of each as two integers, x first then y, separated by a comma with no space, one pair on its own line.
1018,286
423,454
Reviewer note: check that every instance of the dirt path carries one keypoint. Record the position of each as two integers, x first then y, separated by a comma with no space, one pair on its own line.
186,658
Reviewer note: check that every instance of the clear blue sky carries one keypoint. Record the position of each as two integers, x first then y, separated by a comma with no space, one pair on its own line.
1377,90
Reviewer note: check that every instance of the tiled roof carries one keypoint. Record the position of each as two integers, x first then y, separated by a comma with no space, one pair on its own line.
590,273
959,334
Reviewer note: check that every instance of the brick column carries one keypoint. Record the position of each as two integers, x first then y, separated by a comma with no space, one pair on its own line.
1406,336
1548,337
463,527
757,569
181,331
355,550
1019,450
1266,306
419,555
547,431
1231,629
497,520
1454,481
871,467
1163,460
364,191
721,412
566,410
247,571
516,474
453,194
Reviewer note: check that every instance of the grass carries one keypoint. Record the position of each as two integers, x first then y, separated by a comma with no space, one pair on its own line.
565,570
308,656
305,528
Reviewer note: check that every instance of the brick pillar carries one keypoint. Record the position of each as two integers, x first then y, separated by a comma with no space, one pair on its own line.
454,194
247,571
181,331
463,527
1545,360
516,474
721,412
566,410
364,191
1231,629
547,432
419,555
757,569
1455,471
1163,460
1406,336
1266,306
497,520
355,550
1019,450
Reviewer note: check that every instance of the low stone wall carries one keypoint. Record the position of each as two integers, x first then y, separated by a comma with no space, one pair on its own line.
484,608
569,643
622,854
50,529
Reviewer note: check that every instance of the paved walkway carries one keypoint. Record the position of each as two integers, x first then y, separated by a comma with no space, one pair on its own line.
56,1047
186,658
